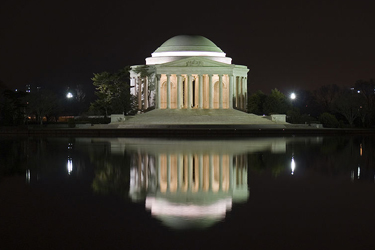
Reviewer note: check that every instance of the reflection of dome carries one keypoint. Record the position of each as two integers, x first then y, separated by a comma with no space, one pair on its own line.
188,43
190,215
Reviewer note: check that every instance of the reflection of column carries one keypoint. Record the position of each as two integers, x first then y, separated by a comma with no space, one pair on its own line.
230,99
179,92
168,172
190,92
178,172
220,91
211,165
159,170
231,172
221,172
190,172
168,91
200,172
211,94
146,158
201,91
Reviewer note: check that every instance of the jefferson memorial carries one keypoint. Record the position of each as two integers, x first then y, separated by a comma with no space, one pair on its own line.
189,72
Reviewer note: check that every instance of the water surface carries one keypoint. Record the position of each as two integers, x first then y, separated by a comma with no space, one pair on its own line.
117,193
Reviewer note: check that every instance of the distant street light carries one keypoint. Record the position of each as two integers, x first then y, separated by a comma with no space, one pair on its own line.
69,95
293,96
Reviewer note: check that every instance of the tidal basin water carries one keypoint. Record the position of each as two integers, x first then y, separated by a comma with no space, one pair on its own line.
127,193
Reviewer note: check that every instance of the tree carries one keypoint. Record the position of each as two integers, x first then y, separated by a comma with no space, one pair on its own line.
42,103
348,104
328,120
255,103
12,107
365,89
326,95
276,103
113,91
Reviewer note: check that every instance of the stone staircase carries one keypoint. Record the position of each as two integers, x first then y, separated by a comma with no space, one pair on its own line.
196,117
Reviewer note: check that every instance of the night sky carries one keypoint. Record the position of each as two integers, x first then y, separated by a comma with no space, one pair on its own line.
289,45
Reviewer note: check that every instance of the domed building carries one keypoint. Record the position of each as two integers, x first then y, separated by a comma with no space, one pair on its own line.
189,72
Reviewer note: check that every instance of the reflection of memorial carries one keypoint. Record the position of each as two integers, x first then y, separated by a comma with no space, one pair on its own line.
191,184
188,189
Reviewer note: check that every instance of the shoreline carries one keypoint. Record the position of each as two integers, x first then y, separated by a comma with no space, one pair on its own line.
181,131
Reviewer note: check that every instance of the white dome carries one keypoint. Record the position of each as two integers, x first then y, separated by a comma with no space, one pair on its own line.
182,46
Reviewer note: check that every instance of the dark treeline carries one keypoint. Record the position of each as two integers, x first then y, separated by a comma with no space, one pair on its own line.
330,105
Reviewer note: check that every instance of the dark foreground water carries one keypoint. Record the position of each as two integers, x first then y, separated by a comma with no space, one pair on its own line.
258,193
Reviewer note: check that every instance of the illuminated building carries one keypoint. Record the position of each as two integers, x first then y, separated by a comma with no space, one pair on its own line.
190,72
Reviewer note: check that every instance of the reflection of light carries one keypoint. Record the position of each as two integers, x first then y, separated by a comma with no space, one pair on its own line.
28,176
292,165
163,207
358,171
70,145
360,149
69,165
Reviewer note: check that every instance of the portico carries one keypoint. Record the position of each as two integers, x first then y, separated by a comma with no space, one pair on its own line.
190,72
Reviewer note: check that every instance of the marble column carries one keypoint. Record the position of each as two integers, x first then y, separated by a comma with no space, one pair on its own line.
237,94
158,91
145,95
230,99
220,91
201,91
245,93
190,92
168,91
139,93
211,94
179,92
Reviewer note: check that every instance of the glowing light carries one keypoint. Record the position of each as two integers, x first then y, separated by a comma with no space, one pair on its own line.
188,53
293,96
69,95
292,165
358,172
28,176
69,165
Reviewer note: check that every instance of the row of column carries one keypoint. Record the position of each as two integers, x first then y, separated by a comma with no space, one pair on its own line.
194,173
237,91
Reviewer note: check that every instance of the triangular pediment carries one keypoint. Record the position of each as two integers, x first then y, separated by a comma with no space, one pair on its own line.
195,61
